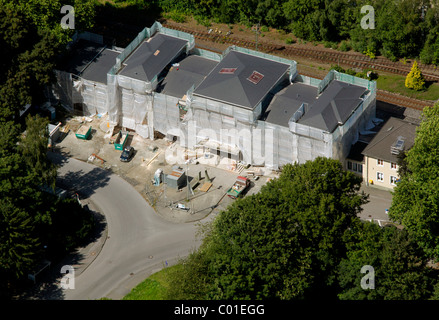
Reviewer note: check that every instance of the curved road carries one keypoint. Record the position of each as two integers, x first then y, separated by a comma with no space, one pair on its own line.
138,243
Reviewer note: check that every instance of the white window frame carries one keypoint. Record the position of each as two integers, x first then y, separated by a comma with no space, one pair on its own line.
382,176
393,183
391,166
382,162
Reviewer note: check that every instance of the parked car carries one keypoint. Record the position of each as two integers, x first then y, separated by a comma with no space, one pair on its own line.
127,154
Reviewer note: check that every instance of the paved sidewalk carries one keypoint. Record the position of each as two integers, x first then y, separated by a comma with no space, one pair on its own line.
379,201
84,256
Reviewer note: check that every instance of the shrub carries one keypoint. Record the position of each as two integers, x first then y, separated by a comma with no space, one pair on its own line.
177,16
203,21
337,68
415,80
369,53
345,46
350,72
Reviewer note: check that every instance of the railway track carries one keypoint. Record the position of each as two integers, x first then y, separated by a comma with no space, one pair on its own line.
403,101
352,60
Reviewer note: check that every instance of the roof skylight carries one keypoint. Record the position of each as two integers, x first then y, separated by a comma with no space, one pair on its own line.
255,77
228,70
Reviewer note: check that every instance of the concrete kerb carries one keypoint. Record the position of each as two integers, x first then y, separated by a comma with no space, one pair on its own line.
91,251
86,255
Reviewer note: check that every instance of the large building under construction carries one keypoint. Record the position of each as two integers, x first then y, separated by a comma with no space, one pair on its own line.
241,105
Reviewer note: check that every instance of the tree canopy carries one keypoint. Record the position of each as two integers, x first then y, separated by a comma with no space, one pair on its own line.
399,265
416,201
31,38
402,28
285,241
300,238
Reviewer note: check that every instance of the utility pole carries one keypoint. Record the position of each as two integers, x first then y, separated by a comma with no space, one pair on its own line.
189,189
256,28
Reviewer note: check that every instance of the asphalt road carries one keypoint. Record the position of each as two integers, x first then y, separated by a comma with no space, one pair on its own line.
139,241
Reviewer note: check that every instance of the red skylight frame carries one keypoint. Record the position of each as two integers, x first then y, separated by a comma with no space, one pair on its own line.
255,77
228,70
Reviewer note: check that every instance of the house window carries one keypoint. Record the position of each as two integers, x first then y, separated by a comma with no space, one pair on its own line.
356,167
380,176
393,166
380,162
393,180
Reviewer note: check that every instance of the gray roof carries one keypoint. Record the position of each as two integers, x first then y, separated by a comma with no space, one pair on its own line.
152,56
235,88
98,69
379,147
91,61
334,106
288,100
190,71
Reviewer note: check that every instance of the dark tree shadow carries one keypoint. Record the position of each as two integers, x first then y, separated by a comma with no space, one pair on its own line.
83,183
124,23
48,283
386,110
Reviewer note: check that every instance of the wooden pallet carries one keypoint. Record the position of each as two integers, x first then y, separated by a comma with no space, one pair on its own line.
205,187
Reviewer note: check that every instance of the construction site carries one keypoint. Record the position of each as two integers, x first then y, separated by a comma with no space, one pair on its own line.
197,119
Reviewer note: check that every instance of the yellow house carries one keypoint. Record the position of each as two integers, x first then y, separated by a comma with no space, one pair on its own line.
380,163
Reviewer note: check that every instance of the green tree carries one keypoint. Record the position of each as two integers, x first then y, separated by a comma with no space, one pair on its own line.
33,147
415,80
17,244
31,38
399,264
415,201
430,51
191,281
285,241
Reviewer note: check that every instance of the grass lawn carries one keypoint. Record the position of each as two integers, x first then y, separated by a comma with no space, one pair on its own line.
396,83
152,288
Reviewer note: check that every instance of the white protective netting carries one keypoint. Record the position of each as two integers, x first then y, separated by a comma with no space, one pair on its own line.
313,142
130,101
61,90
207,54
94,96
307,80
80,95
166,114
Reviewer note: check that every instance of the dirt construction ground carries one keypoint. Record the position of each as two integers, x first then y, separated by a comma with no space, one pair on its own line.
150,156
158,154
